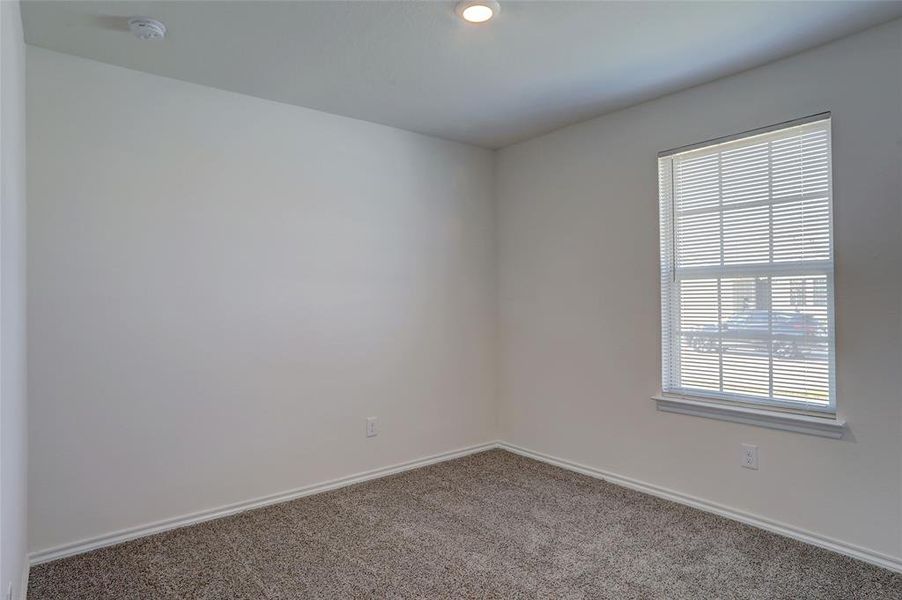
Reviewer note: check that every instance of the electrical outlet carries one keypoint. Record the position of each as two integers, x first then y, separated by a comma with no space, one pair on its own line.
749,456
371,430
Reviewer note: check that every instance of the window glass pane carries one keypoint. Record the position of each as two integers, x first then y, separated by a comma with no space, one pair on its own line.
746,269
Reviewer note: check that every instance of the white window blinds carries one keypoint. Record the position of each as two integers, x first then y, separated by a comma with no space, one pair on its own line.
747,268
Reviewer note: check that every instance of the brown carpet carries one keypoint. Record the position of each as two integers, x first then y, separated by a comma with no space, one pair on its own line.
491,525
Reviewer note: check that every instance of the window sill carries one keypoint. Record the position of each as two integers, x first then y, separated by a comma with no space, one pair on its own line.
828,427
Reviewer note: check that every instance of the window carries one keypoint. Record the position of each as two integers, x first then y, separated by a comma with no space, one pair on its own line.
747,268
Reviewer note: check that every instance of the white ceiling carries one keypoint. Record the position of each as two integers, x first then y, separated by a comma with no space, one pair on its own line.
415,65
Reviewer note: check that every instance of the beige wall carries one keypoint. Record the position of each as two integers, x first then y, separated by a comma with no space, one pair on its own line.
222,288
13,450
579,297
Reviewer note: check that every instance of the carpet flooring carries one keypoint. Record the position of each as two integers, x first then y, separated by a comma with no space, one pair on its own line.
490,525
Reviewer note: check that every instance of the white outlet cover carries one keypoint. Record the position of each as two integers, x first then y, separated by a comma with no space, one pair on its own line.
371,430
749,457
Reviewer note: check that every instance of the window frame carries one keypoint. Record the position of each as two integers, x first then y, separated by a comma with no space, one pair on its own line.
726,401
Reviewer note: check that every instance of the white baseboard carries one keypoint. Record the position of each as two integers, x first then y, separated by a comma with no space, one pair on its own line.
124,535
869,556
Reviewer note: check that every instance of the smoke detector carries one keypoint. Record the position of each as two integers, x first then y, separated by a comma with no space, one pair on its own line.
147,29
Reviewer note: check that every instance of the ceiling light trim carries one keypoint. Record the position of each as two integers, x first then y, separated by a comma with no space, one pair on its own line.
463,10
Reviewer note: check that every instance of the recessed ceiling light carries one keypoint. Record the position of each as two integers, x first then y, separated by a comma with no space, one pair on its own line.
147,29
477,11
